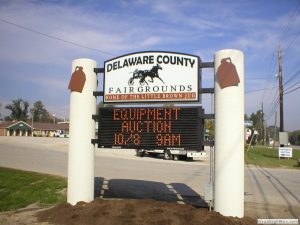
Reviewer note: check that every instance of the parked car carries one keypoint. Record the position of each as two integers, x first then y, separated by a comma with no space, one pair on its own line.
60,133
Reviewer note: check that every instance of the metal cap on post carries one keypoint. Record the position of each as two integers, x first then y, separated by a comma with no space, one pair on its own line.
82,129
229,133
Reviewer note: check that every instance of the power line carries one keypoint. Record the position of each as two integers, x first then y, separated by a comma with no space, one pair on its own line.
291,91
274,109
54,37
274,101
282,38
292,86
292,77
263,89
296,65
269,75
275,96
279,99
292,42
290,23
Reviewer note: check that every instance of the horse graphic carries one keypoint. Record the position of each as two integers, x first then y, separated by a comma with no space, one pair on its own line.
143,74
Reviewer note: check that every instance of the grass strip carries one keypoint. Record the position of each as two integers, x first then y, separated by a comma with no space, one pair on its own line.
19,189
268,157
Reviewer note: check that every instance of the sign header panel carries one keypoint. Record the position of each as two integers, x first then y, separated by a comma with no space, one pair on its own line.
151,128
151,77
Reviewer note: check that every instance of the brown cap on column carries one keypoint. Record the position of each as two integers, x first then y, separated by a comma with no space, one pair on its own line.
77,80
227,74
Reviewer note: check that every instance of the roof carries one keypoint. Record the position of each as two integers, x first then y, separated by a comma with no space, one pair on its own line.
37,125
50,126
7,124
20,125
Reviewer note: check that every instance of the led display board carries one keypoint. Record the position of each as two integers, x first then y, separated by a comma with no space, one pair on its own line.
151,128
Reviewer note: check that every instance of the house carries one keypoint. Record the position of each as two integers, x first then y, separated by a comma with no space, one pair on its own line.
49,129
38,129
15,128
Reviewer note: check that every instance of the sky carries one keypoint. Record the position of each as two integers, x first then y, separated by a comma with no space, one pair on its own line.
39,40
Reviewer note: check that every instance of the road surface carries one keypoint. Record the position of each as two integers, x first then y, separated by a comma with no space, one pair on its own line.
269,193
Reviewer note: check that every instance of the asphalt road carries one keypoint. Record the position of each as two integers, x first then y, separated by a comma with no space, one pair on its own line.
269,193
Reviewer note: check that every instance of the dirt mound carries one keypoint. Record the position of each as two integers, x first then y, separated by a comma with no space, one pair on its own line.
131,212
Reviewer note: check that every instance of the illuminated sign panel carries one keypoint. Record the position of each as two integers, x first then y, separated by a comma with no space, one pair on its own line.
160,128
151,77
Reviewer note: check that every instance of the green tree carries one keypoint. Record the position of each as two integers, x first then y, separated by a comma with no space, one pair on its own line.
102,105
210,126
19,110
294,137
273,132
257,120
40,113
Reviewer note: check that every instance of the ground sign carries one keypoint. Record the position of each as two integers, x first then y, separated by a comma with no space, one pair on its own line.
151,77
151,128
285,152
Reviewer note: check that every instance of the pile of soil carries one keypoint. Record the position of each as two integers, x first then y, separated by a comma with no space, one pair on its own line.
135,212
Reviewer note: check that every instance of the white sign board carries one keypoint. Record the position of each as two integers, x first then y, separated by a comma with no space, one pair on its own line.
151,77
284,152
283,138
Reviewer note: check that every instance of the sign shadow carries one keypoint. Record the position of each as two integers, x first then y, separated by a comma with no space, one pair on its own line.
141,189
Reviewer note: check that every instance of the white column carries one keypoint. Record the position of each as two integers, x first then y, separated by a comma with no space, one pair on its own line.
82,130
229,139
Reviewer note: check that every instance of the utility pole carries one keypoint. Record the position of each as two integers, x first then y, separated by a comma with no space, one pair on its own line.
280,88
263,126
275,129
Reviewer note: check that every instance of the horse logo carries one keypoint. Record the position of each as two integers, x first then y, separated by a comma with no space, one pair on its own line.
141,75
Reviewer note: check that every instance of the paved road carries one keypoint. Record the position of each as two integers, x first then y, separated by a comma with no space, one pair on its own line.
269,193
296,147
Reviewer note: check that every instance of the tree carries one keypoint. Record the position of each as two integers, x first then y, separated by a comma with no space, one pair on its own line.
294,137
40,113
102,105
19,110
257,120
210,126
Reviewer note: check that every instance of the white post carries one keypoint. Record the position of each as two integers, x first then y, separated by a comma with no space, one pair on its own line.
229,133
82,130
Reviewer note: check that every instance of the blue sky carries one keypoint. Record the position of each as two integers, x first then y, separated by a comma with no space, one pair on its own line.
38,67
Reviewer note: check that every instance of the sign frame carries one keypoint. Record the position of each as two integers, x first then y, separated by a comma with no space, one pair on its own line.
147,96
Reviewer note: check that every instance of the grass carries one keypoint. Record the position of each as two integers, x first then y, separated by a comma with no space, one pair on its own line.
19,189
268,157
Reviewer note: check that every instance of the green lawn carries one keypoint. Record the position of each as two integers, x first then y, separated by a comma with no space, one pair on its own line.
268,157
19,189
